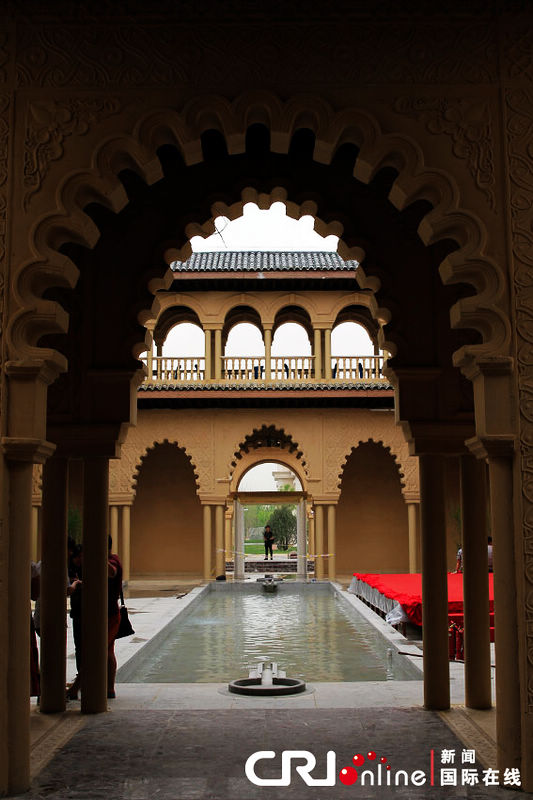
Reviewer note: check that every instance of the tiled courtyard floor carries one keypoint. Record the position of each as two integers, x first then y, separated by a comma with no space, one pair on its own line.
186,754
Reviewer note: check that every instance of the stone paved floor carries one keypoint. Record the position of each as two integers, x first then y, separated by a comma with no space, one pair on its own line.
190,754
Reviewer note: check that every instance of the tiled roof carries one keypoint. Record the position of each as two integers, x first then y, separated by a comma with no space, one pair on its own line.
261,261
274,385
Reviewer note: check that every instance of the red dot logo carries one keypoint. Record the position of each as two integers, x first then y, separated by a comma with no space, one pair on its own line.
358,760
348,776
371,755
383,760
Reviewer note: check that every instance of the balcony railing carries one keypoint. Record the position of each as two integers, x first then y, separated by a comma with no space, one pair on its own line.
289,369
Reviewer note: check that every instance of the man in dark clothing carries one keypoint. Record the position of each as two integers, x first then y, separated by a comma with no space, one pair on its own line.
268,537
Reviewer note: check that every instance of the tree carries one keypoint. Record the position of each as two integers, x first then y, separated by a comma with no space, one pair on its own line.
283,523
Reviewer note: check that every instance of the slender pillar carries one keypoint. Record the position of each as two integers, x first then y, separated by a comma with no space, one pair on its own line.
218,354
268,354
301,541
508,706
412,520
319,542
207,542
219,540
331,542
18,623
126,544
207,355
94,598
318,354
150,356
434,583
312,543
54,584
475,583
113,523
239,541
228,555
327,354
35,533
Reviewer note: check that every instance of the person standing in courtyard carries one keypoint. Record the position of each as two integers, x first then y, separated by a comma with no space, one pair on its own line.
268,537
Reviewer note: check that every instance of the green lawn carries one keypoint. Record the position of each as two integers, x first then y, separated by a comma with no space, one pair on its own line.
256,548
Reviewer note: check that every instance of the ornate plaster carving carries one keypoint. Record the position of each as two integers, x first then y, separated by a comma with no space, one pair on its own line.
519,104
483,311
49,123
467,121
169,51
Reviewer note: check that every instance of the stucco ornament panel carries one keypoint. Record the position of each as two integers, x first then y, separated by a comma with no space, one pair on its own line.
49,123
179,429
468,123
520,143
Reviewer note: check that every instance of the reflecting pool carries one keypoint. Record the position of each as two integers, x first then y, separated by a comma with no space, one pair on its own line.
309,629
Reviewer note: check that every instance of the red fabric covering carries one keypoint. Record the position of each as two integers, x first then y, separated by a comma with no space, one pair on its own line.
407,590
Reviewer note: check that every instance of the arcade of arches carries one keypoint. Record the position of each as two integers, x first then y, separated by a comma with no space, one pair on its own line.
413,145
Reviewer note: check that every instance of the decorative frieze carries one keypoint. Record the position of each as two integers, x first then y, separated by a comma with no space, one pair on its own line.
519,110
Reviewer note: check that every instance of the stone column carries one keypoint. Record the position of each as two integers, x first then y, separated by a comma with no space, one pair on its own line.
331,543
20,454
312,542
218,354
327,354
318,354
475,582
239,541
94,598
150,355
301,541
228,555
35,533
54,572
220,568
508,705
319,542
207,335
434,583
17,638
207,542
113,527
412,520
268,353
126,543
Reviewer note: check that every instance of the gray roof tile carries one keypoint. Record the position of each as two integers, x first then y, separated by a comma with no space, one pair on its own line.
261,261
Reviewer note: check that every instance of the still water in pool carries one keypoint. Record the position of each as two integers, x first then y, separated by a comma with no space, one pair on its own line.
311,635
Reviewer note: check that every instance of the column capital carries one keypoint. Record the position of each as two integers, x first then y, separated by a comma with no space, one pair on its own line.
492,446
35,451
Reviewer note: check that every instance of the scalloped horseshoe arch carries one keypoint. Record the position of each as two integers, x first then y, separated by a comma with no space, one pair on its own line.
408,478
251,460
136,150
290,454
149,448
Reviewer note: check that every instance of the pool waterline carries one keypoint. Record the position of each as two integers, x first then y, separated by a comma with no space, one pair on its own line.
311,629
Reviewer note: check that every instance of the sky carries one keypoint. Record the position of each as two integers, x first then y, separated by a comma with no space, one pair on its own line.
269,230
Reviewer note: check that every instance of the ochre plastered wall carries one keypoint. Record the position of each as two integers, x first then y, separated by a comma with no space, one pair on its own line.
372,532
212,437
166,516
